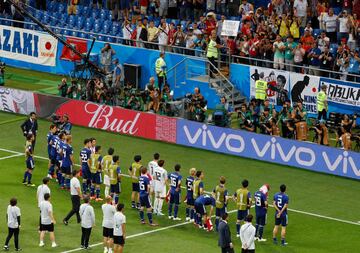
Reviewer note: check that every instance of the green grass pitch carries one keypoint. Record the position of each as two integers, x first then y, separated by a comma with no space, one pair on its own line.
313,193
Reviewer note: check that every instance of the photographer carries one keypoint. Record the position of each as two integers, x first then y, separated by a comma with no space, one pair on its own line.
106,57
154,99
196,99
265,126
345,132
2,73
134,103
222,114
299,112
66,125
287,123
321,133
63,88
245,117
74,91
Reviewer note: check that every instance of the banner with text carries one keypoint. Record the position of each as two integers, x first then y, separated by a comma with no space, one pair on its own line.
17,101
342,93
269,149
304,88
230,28
278,83
27,46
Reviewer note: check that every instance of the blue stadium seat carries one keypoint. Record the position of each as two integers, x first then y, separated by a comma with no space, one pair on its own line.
316,32
53,22
79,10
52,6
333,48
66,32
97,28
88,26
86,11
80,23
114,29
38,15
74,33
84,35
105,28
337,10
95,14
61,8
101,38
110,39
46,19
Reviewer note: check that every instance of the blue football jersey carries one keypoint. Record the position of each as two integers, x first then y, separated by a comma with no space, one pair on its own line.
144,183
189,185
67,152
260,199
59,148
205,200
85,154
280,200
175,180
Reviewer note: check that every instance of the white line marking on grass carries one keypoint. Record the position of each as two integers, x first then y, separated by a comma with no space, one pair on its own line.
144,233
10,156
184,223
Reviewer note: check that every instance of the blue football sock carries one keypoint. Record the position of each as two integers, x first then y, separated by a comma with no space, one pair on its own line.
283,241
25,175
141,215
29,177
217,223
176,209
51,169
67,183
84,186
256,230
192,213
149,215
187,212
170,209
97,193
92,190
238,228
261,231
116,198
133,204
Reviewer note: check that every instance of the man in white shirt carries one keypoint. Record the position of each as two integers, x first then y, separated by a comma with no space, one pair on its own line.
344,26
75,191
300,7
13,221
119,229
108,224
87,215
42,189
247,235
151,167
47,221
323,41
160,180
330,22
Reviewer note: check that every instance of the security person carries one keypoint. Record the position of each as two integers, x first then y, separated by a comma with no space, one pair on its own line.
30,126
75,191
160,69
212,53
260,89
322,105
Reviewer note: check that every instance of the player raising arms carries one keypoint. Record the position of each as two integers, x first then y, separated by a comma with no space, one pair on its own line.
281,202
144,187
175,190
30,164
96,177
67,161
190,211
242,198
52,139
221,193
261,206
200,207
105,164
114,173
85,154
134,172
160,181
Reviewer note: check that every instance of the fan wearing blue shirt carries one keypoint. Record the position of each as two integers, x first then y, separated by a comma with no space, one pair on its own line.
144,191
175,190
281,202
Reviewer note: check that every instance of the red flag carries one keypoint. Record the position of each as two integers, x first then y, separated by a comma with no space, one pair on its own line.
209,224
79,44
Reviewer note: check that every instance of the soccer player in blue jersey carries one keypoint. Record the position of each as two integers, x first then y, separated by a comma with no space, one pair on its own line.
51,141
175,190
281,202
85,166
60,143
190,211
200,208
261,206
30,165
144,192
67,161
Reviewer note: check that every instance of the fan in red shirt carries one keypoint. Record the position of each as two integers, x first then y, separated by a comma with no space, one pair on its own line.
210,23
171,33
246,28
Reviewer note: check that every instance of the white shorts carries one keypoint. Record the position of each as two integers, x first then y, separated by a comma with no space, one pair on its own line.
106,180
160,190
278,63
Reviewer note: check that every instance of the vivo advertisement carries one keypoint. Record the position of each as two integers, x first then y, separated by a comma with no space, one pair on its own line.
268,148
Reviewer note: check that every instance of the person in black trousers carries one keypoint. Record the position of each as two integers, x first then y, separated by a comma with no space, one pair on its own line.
87,222
13,221
30,126
225,235
75,192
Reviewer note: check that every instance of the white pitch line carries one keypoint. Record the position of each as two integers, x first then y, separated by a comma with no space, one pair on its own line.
176,225
10,156
143,233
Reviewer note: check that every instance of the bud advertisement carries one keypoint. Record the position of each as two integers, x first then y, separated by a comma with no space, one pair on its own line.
16,101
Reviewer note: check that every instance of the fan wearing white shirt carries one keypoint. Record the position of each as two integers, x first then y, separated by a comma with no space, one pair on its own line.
108,224
13,221
119,229
75,192
160,180
247,235
41,190
151,167
47,221
87,215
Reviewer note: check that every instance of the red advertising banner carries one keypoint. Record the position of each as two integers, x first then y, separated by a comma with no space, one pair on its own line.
119,120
